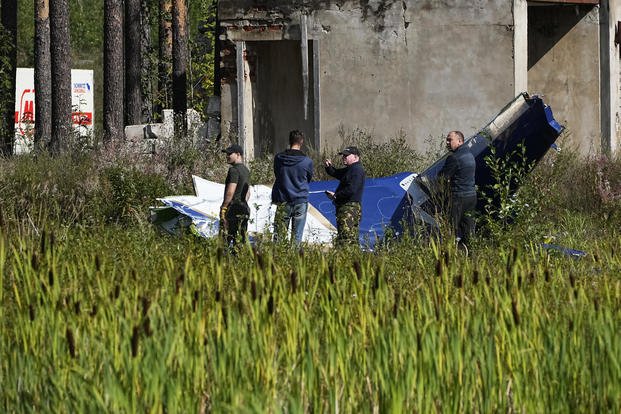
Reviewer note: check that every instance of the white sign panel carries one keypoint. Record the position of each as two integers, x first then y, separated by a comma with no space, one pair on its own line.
82,106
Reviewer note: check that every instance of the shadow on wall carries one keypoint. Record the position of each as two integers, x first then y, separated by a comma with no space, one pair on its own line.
548,24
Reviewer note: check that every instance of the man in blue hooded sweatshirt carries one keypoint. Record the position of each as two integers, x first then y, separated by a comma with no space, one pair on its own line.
293,171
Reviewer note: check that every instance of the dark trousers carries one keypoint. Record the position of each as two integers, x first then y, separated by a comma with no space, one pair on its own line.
237,223
462,216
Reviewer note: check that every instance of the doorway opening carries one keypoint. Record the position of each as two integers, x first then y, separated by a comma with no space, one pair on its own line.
282,99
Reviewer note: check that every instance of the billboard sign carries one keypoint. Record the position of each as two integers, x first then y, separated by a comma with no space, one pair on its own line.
82,106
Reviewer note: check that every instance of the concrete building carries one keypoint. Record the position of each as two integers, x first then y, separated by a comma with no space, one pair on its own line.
423,67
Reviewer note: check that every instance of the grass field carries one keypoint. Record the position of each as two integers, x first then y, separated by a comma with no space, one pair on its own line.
101,313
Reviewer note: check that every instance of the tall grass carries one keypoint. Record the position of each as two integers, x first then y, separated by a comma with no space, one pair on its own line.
109,315
187,328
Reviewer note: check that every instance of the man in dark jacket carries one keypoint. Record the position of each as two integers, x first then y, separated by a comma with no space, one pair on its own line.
293,171
348,195
459,168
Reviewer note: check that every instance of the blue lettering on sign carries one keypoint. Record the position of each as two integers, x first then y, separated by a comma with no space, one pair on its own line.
83,85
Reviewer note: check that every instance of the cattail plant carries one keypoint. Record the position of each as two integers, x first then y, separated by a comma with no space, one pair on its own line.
70,342
293,277
135,339
515,311
358,269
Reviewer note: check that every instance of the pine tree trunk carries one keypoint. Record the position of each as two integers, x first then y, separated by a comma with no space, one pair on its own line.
60,48
7,92
113,71
133,100
42,75
180,63
146,62
164,71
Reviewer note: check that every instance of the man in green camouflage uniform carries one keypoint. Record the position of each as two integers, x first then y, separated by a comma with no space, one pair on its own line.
348,218
348,195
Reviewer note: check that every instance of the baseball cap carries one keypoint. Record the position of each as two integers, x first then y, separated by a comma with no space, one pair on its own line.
350,150
234,148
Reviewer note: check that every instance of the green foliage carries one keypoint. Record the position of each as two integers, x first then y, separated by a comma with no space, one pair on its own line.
7,98
86,28
25,34
262,170
128,193
86,32
380,157
5,62
182,157
564,181
101,313
598,177
86,25
504,202
41,191
202,45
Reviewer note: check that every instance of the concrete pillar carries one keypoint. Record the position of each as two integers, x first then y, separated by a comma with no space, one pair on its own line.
304,50
245,133
605,44
317,95
520,46
610,74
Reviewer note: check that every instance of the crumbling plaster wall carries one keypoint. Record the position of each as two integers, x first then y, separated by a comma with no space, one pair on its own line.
421,67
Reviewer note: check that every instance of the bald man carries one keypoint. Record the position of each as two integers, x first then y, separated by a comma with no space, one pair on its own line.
459,169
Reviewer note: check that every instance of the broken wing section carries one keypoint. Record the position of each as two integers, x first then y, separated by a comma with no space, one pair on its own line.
385,206
201,211
522,132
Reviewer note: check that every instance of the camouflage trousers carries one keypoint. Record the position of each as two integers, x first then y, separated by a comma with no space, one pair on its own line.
348,218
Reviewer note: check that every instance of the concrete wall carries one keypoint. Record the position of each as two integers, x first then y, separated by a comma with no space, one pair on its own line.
421,67
564,66
424,67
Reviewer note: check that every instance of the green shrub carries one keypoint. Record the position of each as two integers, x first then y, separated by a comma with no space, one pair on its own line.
128,193
505,201
379,157
43,189
262,170
565,180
